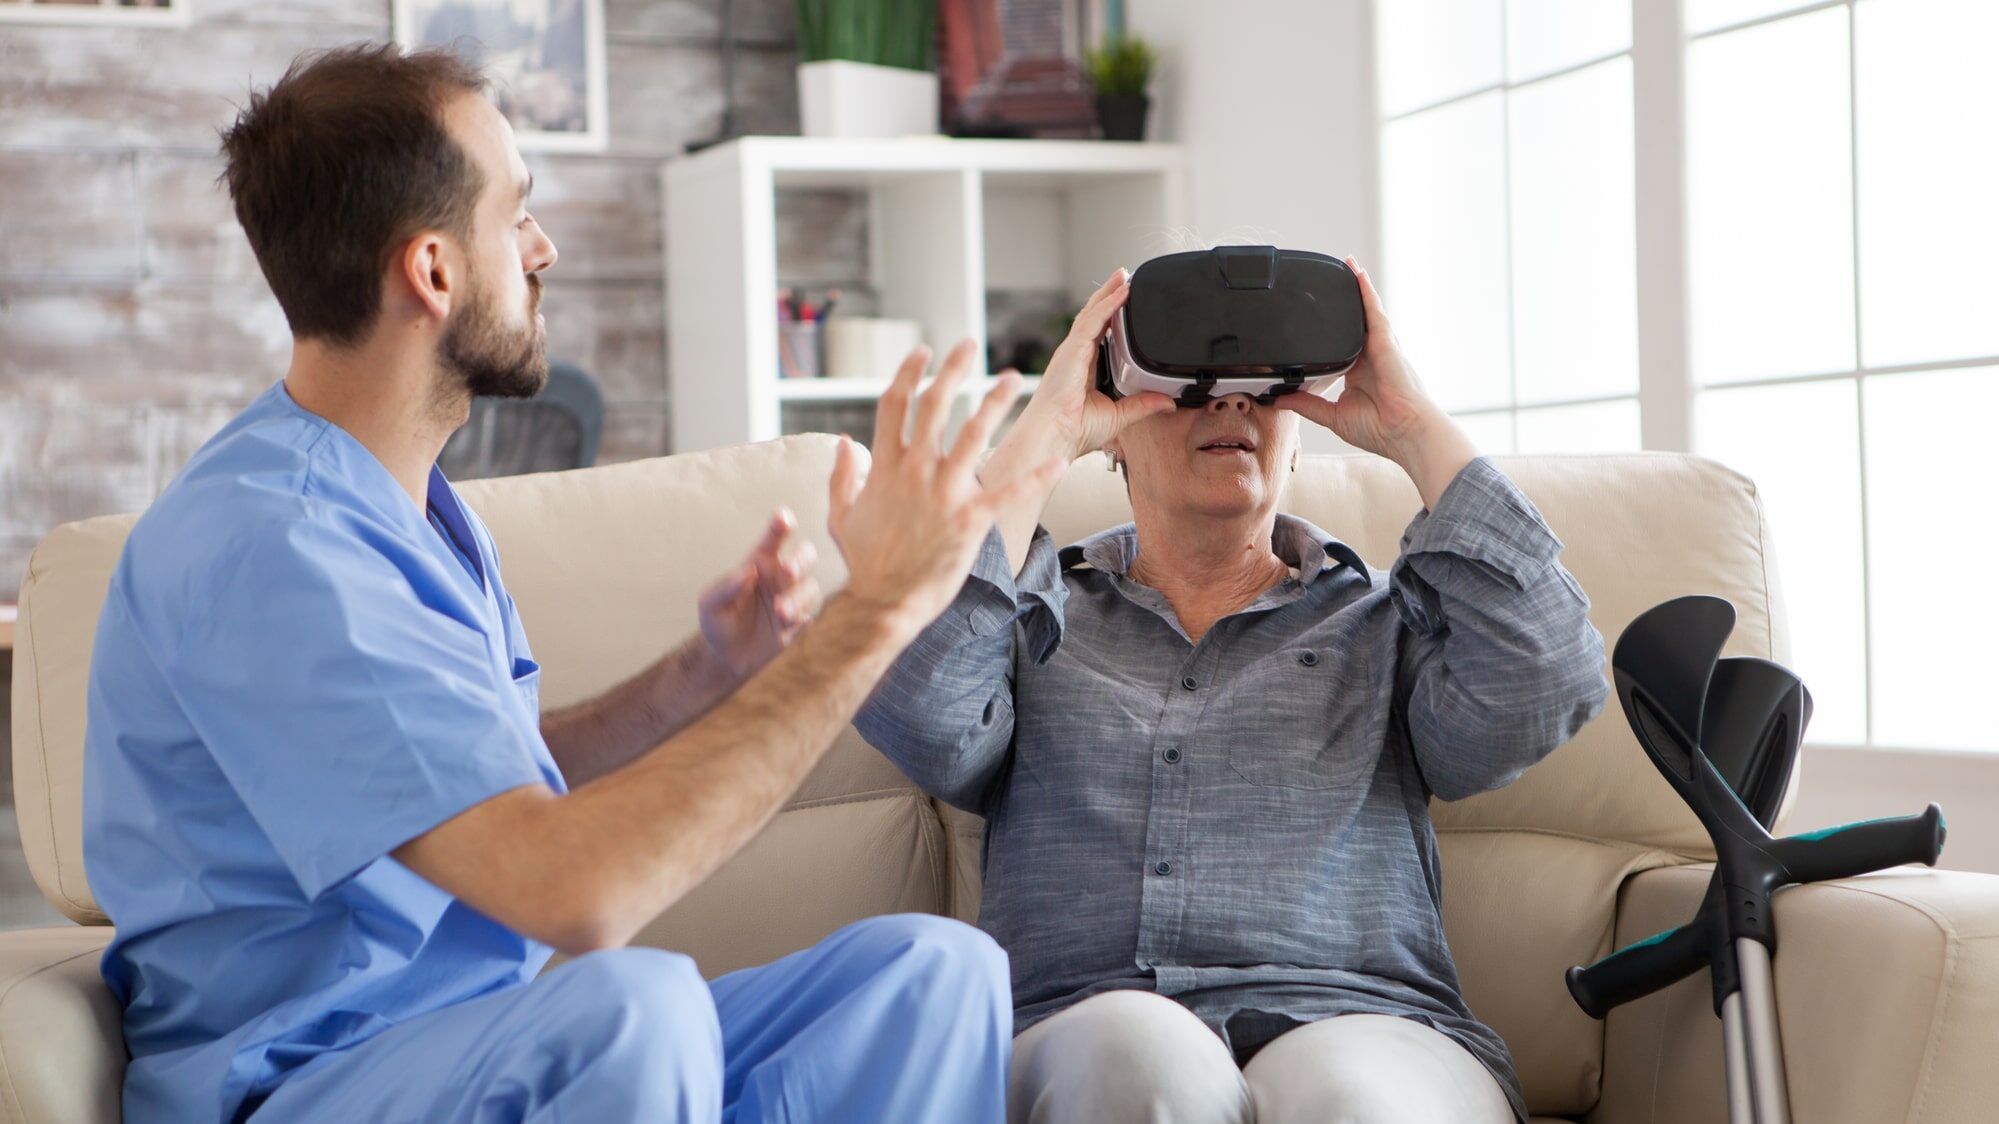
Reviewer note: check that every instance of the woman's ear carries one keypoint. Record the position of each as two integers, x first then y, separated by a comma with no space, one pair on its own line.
1113,455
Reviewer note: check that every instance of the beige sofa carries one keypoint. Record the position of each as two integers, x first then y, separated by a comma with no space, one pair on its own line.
1888,985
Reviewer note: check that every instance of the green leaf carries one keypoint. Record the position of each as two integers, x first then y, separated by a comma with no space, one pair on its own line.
900,33
1121,65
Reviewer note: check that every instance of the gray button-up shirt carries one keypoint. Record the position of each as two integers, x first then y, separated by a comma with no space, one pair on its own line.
1242,823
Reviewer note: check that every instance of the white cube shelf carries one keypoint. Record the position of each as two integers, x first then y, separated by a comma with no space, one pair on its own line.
947,220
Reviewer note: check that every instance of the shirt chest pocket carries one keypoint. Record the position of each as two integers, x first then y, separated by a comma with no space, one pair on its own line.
1301,717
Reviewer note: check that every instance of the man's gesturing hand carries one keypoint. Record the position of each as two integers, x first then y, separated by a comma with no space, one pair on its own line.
910,524
750,613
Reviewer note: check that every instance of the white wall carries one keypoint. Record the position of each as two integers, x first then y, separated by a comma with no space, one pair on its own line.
1276,99
1841,785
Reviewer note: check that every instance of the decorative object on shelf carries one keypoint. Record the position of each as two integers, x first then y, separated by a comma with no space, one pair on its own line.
1024,326
868,347
867,68
1121,69
1009,69
545,59
801,342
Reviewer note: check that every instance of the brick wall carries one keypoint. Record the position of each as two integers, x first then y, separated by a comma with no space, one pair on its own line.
133,320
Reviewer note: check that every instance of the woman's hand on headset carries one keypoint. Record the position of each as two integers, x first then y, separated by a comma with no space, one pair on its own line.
1067,417
1067,410
1383,408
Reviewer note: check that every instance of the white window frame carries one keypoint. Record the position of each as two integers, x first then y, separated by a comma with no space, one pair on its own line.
1660,43
1514,407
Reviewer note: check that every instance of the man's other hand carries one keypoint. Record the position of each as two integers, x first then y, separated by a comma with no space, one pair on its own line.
750,613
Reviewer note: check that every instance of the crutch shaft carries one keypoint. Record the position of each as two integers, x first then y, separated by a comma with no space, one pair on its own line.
1735,1054
1765,1045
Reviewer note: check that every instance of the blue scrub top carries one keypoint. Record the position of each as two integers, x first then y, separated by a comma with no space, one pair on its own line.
296,671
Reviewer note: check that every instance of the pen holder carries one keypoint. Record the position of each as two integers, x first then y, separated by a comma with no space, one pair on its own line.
798,349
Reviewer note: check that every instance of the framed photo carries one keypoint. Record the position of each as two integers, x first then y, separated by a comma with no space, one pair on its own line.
142,13
1009,68
545,59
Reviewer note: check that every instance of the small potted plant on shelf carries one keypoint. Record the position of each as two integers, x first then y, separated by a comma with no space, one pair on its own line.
867,67
1121,69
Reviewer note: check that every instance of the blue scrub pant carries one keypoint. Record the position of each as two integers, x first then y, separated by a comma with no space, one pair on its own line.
896,1019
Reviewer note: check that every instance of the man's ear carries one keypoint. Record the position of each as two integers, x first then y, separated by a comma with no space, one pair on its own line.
429,272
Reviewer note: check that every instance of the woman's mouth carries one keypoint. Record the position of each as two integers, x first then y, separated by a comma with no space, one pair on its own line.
1229,446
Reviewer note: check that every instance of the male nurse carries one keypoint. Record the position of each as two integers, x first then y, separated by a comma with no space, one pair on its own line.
336,834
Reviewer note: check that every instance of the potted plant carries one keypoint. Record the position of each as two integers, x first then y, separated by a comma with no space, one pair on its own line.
867,67
1121,69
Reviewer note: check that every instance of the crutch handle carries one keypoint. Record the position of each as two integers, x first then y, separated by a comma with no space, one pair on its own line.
1864,847
1639,969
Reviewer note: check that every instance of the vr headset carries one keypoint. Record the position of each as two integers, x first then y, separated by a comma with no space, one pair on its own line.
1251,320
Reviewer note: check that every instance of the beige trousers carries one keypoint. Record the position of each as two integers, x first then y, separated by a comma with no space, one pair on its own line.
1134,1057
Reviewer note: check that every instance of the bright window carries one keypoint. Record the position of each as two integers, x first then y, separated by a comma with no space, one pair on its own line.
1508,226
1839,337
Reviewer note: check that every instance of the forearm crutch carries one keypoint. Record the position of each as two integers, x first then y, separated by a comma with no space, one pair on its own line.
1750,716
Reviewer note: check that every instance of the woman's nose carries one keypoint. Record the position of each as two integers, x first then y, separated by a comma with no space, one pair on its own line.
1240,403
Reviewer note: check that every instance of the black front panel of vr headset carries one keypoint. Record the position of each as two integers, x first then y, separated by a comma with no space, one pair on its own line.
1224,312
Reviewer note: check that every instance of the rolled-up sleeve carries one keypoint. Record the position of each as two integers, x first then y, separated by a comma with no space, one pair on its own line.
944,711
1499,664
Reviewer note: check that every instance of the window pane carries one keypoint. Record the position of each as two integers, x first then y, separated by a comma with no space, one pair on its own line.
1928,94
1705,15
1491,432
1932,542
1575,301
1801,445
1598,427
1434,49
1547,35
1444,239
1770,197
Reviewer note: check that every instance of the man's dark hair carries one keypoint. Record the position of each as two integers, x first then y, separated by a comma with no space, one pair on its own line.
338,164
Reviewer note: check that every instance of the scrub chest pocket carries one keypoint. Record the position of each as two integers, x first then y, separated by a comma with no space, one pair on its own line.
527,680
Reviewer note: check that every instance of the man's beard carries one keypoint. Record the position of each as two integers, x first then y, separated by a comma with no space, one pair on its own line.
488,358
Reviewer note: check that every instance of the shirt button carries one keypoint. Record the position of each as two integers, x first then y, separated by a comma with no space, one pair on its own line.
1162,867
1153,962
1172,755
1309,659
1188,682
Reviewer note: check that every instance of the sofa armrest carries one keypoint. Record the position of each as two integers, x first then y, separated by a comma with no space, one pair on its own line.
62,1045
1887,999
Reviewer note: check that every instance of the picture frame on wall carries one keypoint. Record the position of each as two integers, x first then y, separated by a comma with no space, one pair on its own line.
1010,68
545,59
130,13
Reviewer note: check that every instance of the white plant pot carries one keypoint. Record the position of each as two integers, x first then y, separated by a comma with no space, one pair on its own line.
838,98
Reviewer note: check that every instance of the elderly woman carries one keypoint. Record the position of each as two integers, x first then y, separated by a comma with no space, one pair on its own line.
1205,742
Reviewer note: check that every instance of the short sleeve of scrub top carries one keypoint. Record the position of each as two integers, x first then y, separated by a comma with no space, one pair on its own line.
357,717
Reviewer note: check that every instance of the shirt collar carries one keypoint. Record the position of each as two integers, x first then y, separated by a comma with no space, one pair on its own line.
370,481
1298,543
